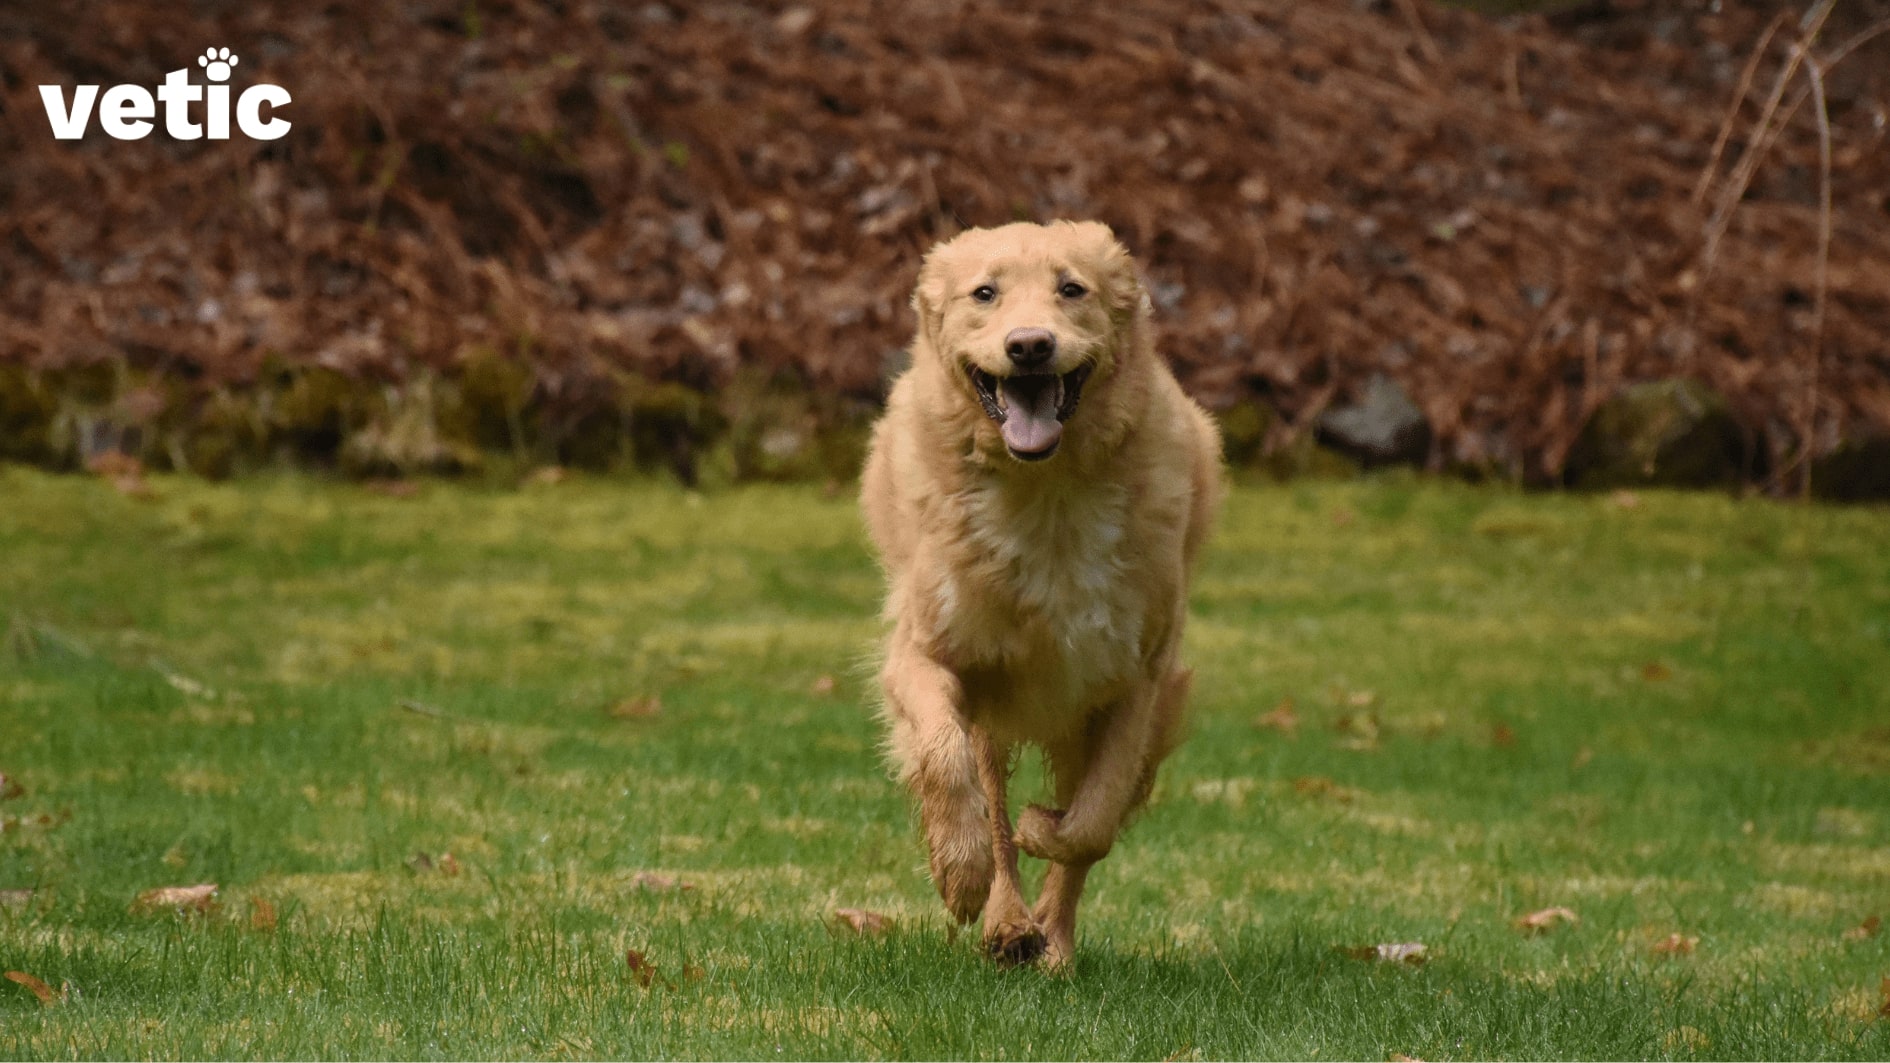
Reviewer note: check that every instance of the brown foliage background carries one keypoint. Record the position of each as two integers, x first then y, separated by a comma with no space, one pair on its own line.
586,230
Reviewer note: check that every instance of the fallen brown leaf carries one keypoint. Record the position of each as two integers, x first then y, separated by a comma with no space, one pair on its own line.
1360,728
1502,736
1409,953
1546,919
423,863
1866,929
1676,945
35,986
640,967
1320,786
10,787
262,914
657,882
639,708
1284,718
1656,672
822,686
862,921
114,463
201,898
693,972
38,820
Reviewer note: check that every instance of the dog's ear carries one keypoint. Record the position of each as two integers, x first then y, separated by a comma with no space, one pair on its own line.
932,291
1122,281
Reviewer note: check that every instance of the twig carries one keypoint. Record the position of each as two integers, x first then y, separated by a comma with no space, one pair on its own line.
1229,971
1763,134
1512,79
1830,61
1816,74
1858,40
1732,110
1426,43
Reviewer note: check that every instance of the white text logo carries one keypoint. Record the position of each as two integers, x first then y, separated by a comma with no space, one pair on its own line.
125,111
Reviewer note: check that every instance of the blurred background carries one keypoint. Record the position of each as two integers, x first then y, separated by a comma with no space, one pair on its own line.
1606,244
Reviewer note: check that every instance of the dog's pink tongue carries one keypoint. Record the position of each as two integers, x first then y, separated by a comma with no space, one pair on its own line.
1030,423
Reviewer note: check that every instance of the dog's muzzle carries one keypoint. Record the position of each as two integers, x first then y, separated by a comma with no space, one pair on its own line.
1030,408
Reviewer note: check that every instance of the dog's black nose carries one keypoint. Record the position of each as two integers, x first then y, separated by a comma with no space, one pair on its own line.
1030,347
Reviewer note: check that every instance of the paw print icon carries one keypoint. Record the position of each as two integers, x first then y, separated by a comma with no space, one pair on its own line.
216,63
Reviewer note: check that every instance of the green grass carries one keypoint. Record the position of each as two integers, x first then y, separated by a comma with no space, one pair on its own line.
1671,717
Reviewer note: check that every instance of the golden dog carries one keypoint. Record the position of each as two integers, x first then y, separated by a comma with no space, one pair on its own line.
1037,550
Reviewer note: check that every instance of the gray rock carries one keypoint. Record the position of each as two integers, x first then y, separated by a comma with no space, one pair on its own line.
1382,426
1857,471
1663,433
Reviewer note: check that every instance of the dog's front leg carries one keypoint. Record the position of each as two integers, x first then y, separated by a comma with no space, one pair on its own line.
1011,934
1111,783
925,710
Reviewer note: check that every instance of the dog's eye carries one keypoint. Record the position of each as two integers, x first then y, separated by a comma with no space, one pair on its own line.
1072,290
984,293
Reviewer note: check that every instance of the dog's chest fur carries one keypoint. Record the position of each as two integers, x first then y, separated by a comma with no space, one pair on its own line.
1045,610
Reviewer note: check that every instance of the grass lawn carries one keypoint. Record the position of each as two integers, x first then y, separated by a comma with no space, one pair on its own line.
1423,710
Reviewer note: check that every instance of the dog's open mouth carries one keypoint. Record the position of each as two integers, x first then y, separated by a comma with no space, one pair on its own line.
1030,408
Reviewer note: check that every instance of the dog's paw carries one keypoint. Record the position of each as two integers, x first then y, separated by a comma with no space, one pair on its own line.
958,843
1013,944
963,884
1059,958
1037,833
1044,833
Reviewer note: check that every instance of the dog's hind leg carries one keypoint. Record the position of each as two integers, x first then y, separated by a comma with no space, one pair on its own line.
1171,720
1055,912
1092,778
928,740
1011,935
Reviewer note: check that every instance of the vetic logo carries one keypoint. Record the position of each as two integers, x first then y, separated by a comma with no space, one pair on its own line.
123,110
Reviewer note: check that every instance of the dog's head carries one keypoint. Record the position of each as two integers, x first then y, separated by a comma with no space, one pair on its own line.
1025,318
